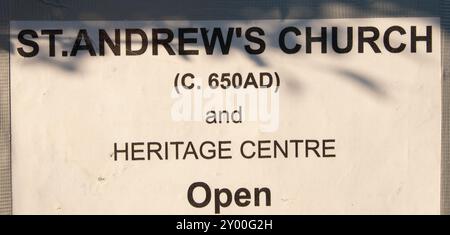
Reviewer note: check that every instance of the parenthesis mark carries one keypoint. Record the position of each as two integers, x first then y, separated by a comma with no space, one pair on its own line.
278,82
175,83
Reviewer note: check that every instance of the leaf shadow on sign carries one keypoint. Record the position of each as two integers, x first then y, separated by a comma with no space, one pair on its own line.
141,10
364,81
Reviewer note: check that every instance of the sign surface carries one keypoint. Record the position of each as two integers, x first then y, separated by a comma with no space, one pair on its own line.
233,117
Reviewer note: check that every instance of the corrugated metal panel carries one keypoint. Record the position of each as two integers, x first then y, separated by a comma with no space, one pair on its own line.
5,130
445,165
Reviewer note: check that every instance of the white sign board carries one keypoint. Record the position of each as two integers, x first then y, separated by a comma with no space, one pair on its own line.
337,116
